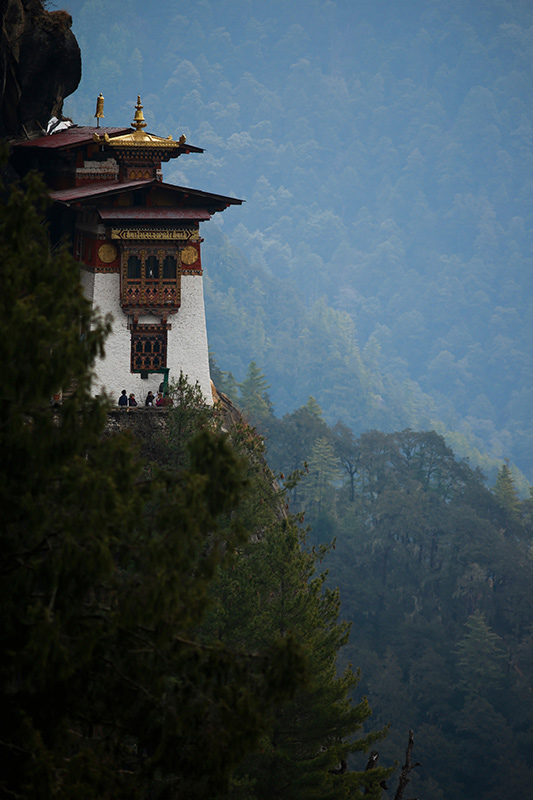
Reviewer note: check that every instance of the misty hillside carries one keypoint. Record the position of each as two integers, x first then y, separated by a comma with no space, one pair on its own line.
382,261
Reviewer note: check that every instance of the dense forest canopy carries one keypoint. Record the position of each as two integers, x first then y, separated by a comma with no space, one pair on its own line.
435,573
384,151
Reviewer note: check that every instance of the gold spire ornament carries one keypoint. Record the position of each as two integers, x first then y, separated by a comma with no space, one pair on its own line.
139,138
99,109
138,120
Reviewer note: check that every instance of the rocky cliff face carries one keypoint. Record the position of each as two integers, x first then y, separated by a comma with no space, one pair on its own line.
40,65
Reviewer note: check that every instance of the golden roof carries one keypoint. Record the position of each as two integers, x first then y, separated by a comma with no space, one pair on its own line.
139,137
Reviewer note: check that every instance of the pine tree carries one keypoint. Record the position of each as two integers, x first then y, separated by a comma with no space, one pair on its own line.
278,593
505,491
253,397
323,473
313,408
480,657
271,590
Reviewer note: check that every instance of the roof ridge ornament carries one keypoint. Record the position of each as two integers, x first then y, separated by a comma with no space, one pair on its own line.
138,120
99,109
138,137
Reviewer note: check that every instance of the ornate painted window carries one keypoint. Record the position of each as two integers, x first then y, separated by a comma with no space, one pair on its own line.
148,347
150,279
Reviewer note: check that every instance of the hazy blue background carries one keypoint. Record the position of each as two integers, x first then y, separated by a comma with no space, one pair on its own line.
384,151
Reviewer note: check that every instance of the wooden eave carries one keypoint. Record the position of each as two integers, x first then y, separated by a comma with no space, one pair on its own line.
216,202
81,195
183,196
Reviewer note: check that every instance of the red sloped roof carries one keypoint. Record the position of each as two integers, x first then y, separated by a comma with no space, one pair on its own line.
78,193
74,136
93,190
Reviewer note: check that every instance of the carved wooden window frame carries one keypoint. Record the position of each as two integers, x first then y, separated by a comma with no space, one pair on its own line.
151,294
148,347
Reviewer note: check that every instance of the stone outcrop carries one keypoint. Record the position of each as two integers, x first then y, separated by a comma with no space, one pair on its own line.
40,65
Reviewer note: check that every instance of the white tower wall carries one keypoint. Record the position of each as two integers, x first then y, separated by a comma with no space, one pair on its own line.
187,349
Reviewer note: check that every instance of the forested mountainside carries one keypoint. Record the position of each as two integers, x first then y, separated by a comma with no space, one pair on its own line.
384,150
435,574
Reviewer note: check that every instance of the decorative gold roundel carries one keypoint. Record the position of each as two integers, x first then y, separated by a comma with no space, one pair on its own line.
189,255
107,253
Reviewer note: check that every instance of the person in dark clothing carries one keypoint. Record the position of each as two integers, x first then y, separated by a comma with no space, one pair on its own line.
132,401
150,399
123,399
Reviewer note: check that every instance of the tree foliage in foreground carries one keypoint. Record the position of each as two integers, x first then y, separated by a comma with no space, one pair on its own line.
106,690
113,683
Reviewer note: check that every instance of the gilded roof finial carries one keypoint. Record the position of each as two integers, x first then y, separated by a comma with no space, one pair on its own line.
99,109
138,121
139,138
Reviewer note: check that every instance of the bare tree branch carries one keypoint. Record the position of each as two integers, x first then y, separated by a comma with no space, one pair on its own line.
406,769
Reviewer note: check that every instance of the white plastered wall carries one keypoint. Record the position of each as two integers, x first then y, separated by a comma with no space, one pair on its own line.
187,349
